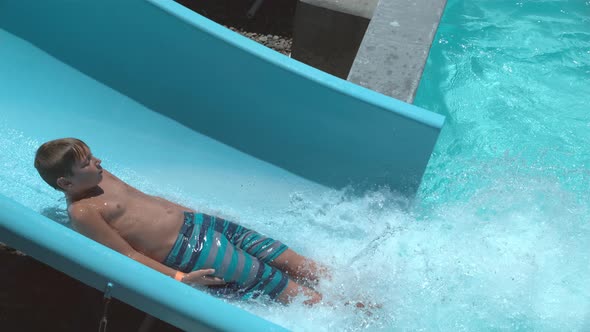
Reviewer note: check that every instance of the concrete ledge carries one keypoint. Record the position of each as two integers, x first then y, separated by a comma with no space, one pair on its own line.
393,53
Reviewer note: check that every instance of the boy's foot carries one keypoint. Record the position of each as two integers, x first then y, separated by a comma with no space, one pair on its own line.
366,308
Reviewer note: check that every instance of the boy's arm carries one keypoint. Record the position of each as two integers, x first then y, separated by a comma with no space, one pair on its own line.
89,222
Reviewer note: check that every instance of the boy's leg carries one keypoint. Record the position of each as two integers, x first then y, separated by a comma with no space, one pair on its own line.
272,252
252,242
293,289
299,267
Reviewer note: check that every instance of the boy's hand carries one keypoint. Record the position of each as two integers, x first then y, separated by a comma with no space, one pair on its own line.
202,277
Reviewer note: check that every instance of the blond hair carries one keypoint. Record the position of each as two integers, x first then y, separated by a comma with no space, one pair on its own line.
56,158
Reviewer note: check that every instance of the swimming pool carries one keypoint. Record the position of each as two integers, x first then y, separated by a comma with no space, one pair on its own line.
497,239
513,163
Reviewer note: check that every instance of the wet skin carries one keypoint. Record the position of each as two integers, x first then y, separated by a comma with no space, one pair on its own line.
145,227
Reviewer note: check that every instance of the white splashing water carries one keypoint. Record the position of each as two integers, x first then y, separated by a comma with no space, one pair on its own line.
503,260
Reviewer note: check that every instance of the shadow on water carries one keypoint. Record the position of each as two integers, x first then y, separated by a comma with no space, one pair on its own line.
57,213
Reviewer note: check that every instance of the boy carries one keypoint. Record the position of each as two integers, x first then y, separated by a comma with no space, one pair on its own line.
192,247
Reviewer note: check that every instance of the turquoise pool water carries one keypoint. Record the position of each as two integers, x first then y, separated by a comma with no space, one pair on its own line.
497,239
513,162
512,78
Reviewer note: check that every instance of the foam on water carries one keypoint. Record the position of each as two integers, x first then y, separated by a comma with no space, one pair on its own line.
511,257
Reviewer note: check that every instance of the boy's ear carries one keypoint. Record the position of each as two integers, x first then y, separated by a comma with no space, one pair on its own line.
64,183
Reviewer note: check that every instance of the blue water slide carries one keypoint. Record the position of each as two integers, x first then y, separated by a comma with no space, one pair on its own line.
159,86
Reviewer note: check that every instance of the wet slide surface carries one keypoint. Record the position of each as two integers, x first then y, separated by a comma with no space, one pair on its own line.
62,102
112,93
42,99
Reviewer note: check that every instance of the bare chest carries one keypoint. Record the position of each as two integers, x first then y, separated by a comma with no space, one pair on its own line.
149,224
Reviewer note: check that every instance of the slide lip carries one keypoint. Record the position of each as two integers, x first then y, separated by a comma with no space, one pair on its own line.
368,96
97,265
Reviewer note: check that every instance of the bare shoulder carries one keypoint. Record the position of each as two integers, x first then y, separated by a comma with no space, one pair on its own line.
82,211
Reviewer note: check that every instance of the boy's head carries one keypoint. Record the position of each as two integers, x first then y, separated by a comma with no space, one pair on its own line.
67,164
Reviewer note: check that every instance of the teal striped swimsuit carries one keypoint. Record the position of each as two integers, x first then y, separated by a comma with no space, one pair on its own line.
239,256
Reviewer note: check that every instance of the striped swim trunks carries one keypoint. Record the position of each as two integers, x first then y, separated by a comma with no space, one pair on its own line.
239,256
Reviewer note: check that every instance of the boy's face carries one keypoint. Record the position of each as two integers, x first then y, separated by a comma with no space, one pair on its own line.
86,174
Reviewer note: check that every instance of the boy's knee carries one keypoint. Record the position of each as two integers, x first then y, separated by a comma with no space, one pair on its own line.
314,298
293,289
